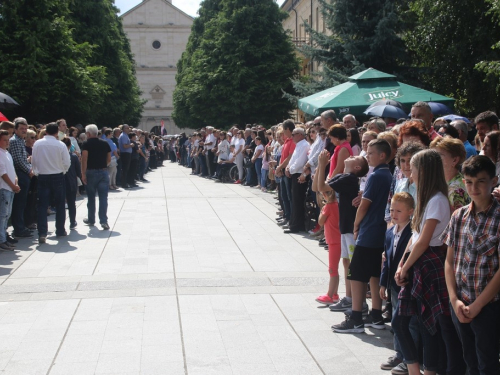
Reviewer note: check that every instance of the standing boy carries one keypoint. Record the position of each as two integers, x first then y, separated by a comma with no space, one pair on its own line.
347,186
471,268
369,234
8,187
396,240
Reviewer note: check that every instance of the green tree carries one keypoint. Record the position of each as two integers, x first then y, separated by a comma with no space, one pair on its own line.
238,62
97,22
41,65
363,34
449,39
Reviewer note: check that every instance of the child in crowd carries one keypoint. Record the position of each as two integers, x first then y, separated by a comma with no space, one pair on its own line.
365,140
8,187
396,239
329,218
369,234
421,273
471,268
347,186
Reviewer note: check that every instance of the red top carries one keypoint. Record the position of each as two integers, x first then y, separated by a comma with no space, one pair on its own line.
335,156
288,149
332,230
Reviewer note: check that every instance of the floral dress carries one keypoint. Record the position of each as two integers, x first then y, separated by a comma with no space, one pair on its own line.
456,193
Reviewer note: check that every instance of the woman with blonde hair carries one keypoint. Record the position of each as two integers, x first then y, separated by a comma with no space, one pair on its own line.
452,152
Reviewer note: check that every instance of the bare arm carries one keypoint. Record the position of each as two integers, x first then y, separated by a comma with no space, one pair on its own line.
323,159
339,168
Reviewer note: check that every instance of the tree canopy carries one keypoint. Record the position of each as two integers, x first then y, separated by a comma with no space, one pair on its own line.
237,64
67,58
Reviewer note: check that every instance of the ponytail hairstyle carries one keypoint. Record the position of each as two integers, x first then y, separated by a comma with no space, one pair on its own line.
430,182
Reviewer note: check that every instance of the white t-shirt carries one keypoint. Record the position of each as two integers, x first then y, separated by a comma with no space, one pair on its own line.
261,148
6,167
210,139
224,150
438,208
240,143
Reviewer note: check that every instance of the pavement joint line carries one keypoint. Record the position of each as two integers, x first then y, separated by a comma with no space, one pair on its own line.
309,251
230,235
107,240
175,278
64,337
298,336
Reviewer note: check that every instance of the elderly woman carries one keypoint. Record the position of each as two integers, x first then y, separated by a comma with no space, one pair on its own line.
377,125
490,148
452,152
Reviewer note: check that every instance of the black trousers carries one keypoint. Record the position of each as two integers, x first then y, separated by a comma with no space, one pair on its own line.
71,200
132,171
125,158
297,220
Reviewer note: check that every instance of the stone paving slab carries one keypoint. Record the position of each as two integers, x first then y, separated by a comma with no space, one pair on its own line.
194,277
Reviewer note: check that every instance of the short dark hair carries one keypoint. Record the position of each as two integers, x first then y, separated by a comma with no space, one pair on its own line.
288,125
382,147
58,122
408,148
19,121
51,128
131,135
338,131
475,164
108,132
488,117
4,132
258,138
66,141
364,168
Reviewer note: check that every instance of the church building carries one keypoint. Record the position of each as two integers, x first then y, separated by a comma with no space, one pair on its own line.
158,34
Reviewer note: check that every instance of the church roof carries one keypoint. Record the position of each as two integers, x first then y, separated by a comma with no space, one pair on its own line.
146,1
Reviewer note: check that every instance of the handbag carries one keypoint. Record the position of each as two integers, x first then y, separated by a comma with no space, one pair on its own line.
248,163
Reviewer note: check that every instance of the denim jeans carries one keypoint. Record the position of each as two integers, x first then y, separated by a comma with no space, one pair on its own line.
51,187
97,182
263,179
414,330
6,199
401,327
20,200
258,169
480,340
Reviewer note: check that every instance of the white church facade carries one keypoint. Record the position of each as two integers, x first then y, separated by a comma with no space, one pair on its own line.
158,34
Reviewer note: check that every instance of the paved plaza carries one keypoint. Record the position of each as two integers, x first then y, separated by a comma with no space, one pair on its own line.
194,277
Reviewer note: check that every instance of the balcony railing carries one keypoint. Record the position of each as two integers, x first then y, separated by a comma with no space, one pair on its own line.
300,41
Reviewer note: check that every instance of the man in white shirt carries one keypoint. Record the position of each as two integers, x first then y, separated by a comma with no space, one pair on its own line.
8,187
299,190
210,142
50,161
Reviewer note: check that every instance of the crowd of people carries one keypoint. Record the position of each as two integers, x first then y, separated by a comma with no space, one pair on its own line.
409,205
44,168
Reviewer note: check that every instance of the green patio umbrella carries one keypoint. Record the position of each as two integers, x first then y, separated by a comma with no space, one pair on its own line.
362,90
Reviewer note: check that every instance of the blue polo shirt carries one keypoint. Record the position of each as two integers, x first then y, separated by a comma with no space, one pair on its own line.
373,227
470,150
124,140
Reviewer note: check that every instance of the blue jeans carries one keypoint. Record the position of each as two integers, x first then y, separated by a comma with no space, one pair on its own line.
401,327
51,186
263,179
97,181
6,199
414,331
258,169
20,199
480,340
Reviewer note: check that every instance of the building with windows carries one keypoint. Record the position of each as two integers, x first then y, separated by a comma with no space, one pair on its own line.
158,34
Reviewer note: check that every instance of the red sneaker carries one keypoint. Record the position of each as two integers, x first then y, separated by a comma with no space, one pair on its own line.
327,300
238,182
315,230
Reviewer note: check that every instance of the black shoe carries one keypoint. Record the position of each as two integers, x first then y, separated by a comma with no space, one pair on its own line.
126,186
24,234
105,226
377,323
326,248
288,231
11,239
63,234
144,180
134,185
87,222
73,225
349,326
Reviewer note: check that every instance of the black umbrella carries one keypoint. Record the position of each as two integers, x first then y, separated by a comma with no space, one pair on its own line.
394,103
7,102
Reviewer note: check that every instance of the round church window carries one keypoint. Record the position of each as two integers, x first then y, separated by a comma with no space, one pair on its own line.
156,44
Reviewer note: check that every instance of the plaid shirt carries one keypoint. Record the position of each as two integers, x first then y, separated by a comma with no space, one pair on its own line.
426,294
19,155
475,239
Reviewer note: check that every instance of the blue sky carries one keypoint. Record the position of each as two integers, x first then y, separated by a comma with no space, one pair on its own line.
188,6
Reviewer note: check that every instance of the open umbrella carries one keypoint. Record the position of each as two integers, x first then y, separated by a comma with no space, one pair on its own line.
6,101
394,103
456,117
439,109
2,117
386,111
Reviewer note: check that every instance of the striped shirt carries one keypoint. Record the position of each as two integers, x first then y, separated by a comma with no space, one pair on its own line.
474,237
